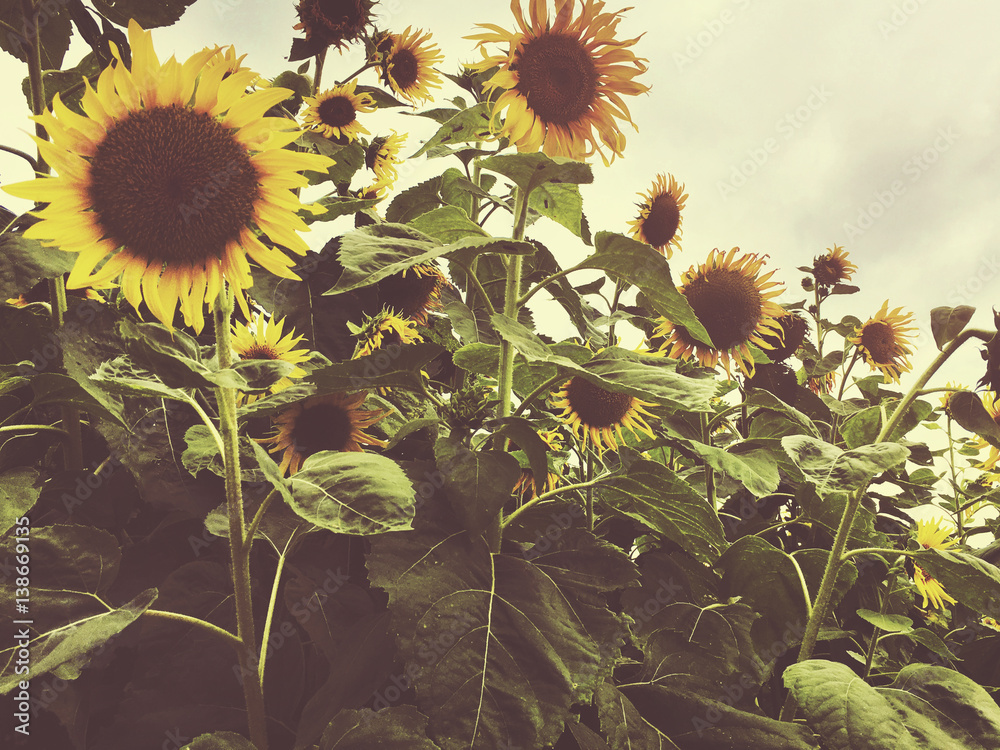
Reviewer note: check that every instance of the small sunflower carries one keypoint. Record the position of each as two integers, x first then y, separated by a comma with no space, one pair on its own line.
991,402
407,65
946,398
884,342
833,267
931,589
989,622
793,332
166,177
823,384
931,534
334,113
526,486
659,221
562,79
382,156
262,338
335,22
334,422
733,301
414,293
385,329
600,414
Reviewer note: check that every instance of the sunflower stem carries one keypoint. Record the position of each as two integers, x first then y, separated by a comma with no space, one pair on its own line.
239,544
269,618
18,152
590,493
706,438
320,61
207,626
837,558
33,54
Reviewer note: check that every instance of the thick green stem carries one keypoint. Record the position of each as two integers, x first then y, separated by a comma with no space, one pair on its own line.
837,558
198,623
706,438
239,544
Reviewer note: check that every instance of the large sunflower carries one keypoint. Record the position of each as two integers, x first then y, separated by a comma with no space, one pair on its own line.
562,79
414,292
408,64
833,267
659,220
334,422
261,338
733,301
600,414
165,178
382,156
884,342
334,113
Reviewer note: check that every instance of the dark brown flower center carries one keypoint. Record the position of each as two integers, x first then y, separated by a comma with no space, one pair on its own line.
322,427
557,76
337,111
411,295
405,68
660,225
727,303
173,185
260,351
878,338
595,406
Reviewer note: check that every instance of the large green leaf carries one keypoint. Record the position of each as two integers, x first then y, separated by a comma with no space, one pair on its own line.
846,712
656,497
974,582
220,741
639,264
531,170
754,468
967,409
864,426
498,648
389,367
472,124
832,470
53,26
624,726
54,388
478,483
353,493
25,262
447,224
19,491
562,203
121,376
393,728
148,13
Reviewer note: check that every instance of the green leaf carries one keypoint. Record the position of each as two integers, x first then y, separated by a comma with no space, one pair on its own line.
560,202
25,262
827,510
656,497
483,359
67,650
967,409
202,453
447,224
336,206
372,253
352,493
220,741
833,470
19,491
864,426
888,623
754,468
640,265
530,170
53,26
790,415
526,438
150,14
121,376
54,388
948,322
846,712
472,124
393,728
390,367
623,725
974,582
415,201
477,483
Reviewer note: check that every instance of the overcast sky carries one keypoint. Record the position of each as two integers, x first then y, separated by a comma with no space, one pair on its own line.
867,123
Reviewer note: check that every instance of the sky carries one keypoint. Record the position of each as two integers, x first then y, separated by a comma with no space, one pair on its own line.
871,124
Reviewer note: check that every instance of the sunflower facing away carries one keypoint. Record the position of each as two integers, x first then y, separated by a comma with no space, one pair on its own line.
334,113
793,333
833,267
385,329
884,342
659,220
165,179
823,383
408,64
414,293
335,22
334,422
382,156
733,301
526,488
261,339
562,78
991,402
600,414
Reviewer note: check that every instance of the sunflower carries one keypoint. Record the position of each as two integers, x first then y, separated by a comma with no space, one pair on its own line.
164,179
562,79
793,333
407,65
233,64
659,220
734,304
930,588
334,113
931,534
334,422
823,383
385,329
833,267
883,341
991,402
777,378
335,22
413,292
946,398
261,339
600,413
526,482
382,156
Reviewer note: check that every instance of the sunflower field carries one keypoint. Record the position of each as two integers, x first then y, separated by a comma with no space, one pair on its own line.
264,492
